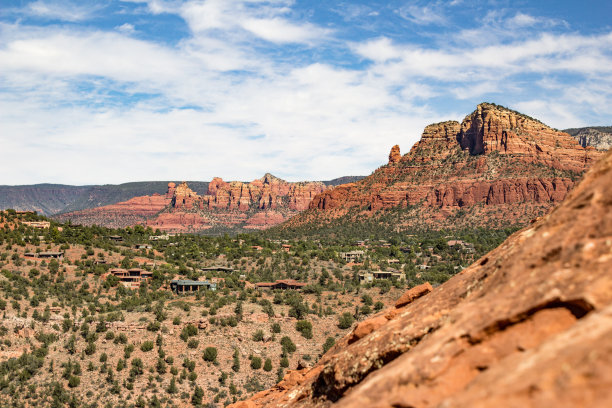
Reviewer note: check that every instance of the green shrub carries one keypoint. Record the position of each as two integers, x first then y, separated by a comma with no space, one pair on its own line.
210,354
345,321
256,363
147,346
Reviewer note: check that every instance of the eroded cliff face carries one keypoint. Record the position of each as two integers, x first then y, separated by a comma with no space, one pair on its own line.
527,325
495,157
256,205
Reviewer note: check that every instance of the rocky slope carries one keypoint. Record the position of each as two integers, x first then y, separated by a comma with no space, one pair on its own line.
133,211
527,325
597,137
496,165
255,205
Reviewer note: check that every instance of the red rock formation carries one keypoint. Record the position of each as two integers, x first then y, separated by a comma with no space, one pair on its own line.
257,205
395,155
495,157
134,211
527,325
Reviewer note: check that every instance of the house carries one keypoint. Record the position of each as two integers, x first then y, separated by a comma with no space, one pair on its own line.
257,247
388,275
369,277
286,247
142,246
366,277
47,255
37,224
159,237
100,262
116,238
131,278
179,286
281,284
393,261
225,269
352,256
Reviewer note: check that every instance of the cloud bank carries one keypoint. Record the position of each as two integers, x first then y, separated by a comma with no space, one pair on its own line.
146,90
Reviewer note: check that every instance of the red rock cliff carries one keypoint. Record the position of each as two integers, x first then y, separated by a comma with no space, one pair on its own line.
495,157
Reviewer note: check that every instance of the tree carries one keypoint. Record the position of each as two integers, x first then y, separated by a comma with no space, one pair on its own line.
288,345
305,328
329,343
172,389
198,394
268,365
236,361
345,321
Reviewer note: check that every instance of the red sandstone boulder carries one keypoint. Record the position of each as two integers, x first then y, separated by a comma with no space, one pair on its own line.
413,294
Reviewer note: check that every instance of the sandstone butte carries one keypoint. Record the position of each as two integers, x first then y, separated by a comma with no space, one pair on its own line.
527,325
255,205
496,163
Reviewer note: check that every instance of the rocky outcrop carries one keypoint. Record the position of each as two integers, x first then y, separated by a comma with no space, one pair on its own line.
491,128
256,205
526,325
394,155
267,193
495,157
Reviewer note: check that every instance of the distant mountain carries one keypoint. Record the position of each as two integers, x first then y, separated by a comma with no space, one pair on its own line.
52,199
49,199
497,168
599,137
342,180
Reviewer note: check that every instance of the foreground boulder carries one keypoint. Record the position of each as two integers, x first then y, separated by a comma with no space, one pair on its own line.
527,325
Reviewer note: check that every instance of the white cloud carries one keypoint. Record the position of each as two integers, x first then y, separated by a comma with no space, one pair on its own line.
222,103
423,15
126,28
61,10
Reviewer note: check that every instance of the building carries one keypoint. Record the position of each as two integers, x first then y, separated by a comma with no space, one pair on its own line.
159,237
142,246
131,278
352,256
116,238
286,247
45,255
225,269
369,277
389,275
282,284
37,224
179,286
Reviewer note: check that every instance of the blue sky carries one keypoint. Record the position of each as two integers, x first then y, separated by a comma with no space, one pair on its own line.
96,92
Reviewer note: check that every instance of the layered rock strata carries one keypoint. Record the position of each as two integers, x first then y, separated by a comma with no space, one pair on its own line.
526,325
495,157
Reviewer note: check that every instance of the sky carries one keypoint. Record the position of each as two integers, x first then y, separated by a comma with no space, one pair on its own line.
109,91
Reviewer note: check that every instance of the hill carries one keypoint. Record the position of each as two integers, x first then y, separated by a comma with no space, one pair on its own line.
50,199
495,169
599,137
526,325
